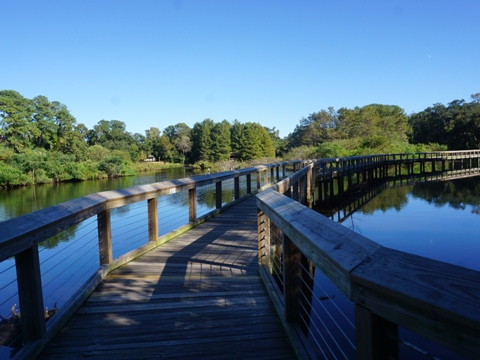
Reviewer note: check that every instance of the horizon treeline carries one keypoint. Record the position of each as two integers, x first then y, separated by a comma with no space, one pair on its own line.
41,141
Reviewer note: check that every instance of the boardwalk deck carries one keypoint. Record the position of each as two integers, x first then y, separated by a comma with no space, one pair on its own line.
199,296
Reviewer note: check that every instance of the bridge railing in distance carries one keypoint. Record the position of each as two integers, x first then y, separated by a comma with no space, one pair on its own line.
341,295
21,238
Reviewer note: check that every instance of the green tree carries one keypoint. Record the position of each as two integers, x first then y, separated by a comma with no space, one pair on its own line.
140,142
221,143
111,134
175,132
457,125
43,117
69,138
152,141
17,130
166,150
237,138
184,145
279,144
202,141
97,153
257,142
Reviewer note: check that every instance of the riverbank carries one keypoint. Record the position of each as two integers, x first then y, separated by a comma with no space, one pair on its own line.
47,170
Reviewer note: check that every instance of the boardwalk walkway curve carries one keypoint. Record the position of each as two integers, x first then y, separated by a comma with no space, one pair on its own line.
147,301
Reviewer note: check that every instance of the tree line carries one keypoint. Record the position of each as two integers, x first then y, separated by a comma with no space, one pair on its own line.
41,141
379,129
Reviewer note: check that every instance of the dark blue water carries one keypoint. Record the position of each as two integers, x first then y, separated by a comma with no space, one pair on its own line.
434,220
437,220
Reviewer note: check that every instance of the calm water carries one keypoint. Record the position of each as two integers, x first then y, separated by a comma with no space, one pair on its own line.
16,202
70,258
435,220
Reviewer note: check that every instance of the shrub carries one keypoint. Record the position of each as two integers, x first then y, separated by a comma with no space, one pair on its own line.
12,176
115,166
97,153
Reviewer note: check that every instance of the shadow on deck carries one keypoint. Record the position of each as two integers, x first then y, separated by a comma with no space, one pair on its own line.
198,296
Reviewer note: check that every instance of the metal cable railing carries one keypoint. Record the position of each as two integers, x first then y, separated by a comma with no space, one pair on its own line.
63,252
340,296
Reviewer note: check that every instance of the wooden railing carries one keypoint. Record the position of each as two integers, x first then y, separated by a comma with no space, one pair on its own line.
20,238
388,288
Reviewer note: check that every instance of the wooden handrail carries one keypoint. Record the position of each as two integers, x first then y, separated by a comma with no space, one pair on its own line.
21,236
436,300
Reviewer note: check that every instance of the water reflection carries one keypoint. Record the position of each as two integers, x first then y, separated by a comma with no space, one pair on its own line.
438,220
69,258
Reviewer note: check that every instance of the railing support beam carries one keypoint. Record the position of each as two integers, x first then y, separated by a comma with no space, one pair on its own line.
30,294
105,237
376,337
236,182
218,195
152,219
192,204
291,272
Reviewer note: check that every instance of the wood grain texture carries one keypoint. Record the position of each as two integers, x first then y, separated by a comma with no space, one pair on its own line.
198,296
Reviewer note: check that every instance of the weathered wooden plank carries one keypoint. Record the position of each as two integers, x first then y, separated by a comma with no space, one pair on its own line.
334,249
235,348
20,233
436,300
29,290
199,296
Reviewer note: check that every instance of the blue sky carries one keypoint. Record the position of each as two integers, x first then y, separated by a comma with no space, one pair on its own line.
158,63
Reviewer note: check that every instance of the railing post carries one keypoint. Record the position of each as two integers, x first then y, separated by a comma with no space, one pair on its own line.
249,183
272,175
30,294
291,272
105,237
294,191
265,177
376,338
277,172
218,195
152,219
310,181
259,175
192,204
236,182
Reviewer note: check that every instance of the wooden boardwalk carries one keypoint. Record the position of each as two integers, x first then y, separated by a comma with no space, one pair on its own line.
199,296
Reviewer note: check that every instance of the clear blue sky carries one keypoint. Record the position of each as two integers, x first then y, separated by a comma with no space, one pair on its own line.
158,63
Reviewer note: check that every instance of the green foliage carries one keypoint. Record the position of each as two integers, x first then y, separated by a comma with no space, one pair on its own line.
12,176
237,137
301,152
97,153
115,166
41,142
457,125
123,154
202,140
331,150
316,128
257,142
221,142
278,143
16,129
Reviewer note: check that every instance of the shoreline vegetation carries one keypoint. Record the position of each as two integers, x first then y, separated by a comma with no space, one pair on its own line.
41,141
38,177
